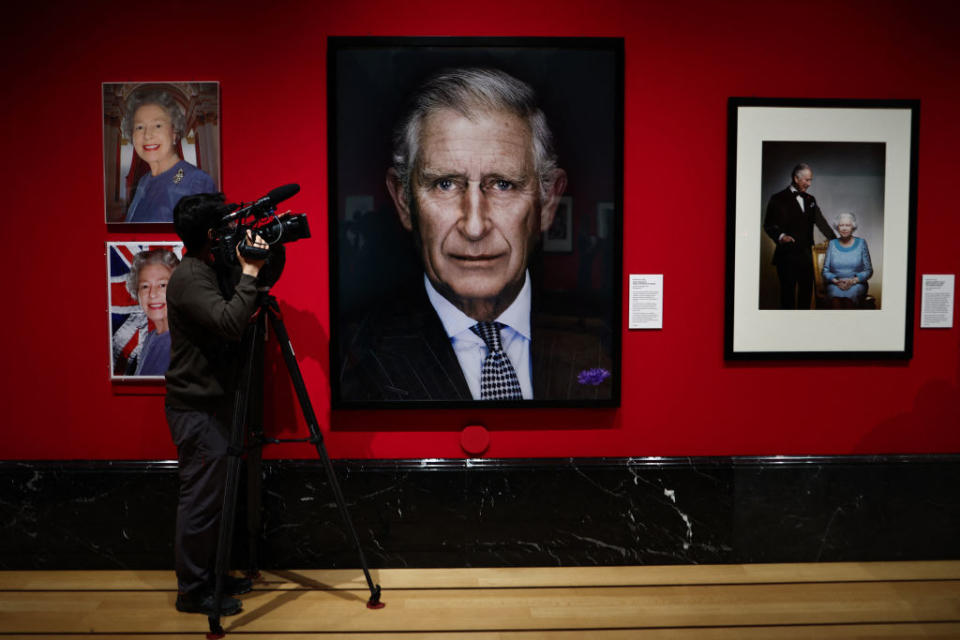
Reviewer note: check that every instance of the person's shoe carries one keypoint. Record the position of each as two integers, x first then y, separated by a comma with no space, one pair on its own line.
187,603
235,586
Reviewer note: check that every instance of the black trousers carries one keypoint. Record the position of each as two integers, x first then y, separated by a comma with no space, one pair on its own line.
201,441
796,284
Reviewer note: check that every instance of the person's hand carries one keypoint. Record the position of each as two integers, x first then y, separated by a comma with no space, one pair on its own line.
786,239
251,267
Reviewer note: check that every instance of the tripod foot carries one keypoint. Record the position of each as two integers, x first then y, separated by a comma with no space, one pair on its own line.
374,601
216,631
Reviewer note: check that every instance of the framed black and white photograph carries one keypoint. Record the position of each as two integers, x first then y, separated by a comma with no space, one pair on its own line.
463,276
821,205
559,237
605,219
161,141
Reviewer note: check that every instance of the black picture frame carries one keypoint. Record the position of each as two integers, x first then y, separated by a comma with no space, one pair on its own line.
863,156
579,84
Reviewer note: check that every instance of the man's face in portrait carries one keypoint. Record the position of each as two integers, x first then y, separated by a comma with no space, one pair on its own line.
476,206
803,180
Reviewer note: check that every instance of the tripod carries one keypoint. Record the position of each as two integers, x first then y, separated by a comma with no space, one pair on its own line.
253,339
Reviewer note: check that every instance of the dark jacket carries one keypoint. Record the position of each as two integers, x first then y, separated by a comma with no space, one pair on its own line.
784,215
401,352
205,329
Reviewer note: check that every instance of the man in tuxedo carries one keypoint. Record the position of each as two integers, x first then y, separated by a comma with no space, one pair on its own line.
789,221
475,181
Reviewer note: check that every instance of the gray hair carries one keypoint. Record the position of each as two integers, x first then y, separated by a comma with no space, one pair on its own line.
845,214
466,91
157,97
803,166
163,257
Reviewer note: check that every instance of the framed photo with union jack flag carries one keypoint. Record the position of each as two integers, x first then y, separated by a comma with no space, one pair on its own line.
139,337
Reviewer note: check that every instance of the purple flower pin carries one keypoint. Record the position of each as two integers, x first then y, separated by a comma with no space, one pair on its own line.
593,376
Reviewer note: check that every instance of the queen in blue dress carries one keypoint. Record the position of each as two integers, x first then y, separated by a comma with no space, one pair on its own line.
147,282
154,121
847,265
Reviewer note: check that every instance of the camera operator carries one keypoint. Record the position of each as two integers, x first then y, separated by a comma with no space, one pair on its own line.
205,328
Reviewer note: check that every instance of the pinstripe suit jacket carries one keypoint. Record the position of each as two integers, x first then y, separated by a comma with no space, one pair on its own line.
402,353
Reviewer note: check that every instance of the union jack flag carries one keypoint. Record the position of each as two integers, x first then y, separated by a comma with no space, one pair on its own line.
128,323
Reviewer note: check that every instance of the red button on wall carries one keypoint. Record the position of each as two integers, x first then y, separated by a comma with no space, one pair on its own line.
474,440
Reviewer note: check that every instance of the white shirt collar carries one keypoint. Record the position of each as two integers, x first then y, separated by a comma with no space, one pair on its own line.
455,322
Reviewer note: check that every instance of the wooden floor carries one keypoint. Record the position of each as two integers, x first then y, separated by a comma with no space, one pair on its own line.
833,600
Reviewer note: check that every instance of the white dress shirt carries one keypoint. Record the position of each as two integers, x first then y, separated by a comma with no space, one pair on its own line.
471,349
799,196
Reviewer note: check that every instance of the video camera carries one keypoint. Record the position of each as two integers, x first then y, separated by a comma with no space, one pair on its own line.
260,218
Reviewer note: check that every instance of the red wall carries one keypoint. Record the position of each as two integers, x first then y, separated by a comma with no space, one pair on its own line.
682,62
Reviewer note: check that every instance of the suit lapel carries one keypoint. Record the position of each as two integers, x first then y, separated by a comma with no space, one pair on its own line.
421,360
441,352
540,362
793,198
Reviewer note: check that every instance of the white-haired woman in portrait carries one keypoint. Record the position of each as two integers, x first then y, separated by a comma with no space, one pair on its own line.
147,283
847,266
154,122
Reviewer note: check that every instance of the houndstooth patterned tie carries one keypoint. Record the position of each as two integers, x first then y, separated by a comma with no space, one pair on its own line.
498,378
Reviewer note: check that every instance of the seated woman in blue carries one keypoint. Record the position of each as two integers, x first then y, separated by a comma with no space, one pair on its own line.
155,123
847,266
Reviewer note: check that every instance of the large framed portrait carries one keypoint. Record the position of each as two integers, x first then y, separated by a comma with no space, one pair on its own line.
475,208
161,141
821,208
139,338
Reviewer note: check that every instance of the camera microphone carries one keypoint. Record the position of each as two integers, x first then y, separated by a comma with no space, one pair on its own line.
280,194
266,203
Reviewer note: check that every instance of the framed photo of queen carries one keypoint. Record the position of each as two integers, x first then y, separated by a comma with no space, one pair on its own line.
139,338
468,265
161,141
821,213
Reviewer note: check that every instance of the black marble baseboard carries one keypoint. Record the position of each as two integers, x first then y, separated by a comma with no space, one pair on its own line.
472,513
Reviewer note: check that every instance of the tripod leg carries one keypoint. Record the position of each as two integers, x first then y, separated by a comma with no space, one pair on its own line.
317,438
255,456
235,450
254,522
